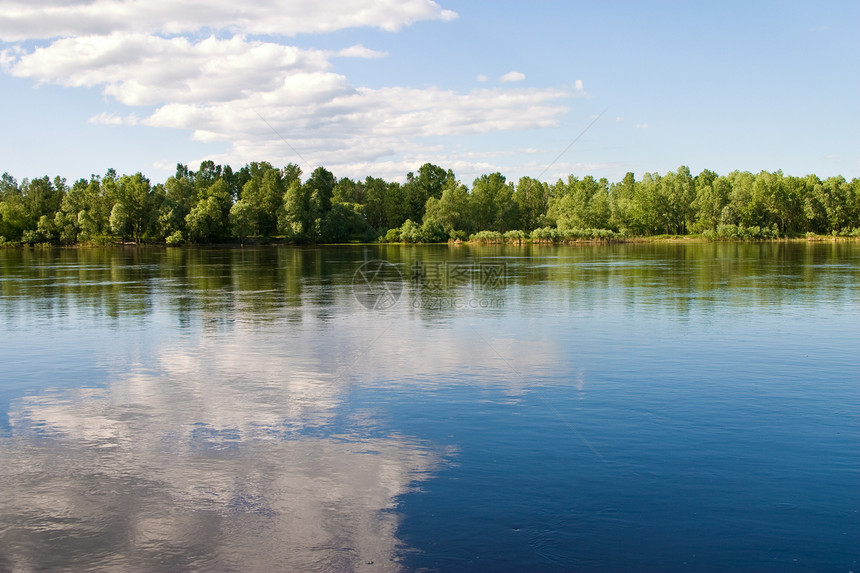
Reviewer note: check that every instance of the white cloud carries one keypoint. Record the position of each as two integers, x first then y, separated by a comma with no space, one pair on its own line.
513,76
28,19
359,51
641,126
9,56
137,69
361,127
106,118
217,87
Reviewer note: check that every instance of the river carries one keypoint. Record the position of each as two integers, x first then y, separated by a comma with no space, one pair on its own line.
629,407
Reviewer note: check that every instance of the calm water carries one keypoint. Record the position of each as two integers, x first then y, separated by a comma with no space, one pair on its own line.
394,408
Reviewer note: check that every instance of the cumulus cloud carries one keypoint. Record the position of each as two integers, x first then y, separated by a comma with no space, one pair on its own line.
578,85
138,69
106,118
28,19
641,126
513,76
482,78
349,133
220,84
220,88
359,51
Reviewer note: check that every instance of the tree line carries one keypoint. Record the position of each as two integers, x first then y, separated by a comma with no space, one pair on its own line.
261,202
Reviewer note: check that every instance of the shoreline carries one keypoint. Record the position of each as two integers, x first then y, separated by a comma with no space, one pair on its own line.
659,239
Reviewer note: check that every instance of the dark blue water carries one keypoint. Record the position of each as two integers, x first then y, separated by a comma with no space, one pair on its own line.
593,408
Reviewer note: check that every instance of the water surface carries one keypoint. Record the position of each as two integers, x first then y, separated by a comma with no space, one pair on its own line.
671,407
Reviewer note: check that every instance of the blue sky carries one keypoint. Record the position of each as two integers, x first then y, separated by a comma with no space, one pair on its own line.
373,88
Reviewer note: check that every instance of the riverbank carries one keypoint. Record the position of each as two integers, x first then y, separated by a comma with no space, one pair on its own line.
691,239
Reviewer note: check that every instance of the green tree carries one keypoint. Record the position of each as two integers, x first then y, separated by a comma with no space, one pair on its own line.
41,197
432,231
429,182
180,197
453,210
532,199
120,221
621,202
66,227
712,195
295,216
779,204
263,195
375,190
395,205
206,176
348,191
678,193
581,204
746,206
645,209
137,208
87,226
410,232
8,186
306,205
99,203
14,219
243,220
209,220
839,204
108,196
492,204
345,222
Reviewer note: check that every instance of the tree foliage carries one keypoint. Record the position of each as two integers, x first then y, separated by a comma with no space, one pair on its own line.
260,201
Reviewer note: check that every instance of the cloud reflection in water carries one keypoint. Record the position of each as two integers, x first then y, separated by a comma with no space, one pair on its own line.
194,466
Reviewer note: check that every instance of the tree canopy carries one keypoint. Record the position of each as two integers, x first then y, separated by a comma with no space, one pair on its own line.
261,202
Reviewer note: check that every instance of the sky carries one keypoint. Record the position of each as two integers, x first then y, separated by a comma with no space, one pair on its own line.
541,88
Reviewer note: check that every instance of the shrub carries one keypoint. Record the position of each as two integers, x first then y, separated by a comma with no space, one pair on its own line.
392,235
486,237
546,235
410,232
727,231
175,238
742,233
432,231
577,234
31,237
515,236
